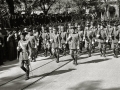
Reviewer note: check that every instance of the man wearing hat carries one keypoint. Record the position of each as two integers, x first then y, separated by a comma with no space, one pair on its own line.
33,43
80,33
74,44
36,35
50,44
23,48
45,38
55,40
88,39
103,37
63,37
115,40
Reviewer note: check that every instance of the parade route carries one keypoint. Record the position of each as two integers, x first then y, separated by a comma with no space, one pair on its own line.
91,73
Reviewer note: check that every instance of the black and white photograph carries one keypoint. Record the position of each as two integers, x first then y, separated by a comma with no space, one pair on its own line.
59,44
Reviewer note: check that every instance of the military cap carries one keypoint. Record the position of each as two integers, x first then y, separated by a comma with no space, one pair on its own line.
29,30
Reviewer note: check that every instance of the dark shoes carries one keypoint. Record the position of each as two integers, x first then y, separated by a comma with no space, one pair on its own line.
27,78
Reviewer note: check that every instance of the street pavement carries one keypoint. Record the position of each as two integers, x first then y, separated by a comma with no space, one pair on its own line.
91,73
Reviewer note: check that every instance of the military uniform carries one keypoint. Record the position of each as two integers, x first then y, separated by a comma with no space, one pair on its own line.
115,38
88,40
63,37
81,34
74,46
33,44
102,43
55,40
45,38
36,35
23,47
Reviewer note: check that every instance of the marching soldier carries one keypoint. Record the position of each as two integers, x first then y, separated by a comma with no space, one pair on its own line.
74,44
88,39
36,35
115,38
80,33
102,35
45,40
23,47
109,35
50,44
31,38
55,40
63,37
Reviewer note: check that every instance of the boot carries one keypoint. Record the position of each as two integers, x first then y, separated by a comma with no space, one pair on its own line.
89,52
76,60
27,72
104,52
64,52
46,53
101,52
73,59
115,53
50,53
24,69
27,75
57,59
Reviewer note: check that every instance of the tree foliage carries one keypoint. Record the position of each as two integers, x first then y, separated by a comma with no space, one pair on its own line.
45,5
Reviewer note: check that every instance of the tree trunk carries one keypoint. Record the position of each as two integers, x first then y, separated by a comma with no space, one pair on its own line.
11,6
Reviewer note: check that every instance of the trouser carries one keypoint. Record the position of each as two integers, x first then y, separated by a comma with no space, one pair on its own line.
80,46
103,48
55,52
64,49
88,46
115,50
32,53
24,65
73,53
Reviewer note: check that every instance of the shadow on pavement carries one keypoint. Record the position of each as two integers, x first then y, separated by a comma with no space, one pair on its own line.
90,85
95,61
54,73
9,65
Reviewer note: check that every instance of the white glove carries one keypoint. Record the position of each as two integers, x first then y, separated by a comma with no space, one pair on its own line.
95,40
18,48
106,40
35,46
98,35
92,42
118,41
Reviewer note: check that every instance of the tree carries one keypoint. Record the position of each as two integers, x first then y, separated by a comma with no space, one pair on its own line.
11,6
119,6
80,4
106,5
45,5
